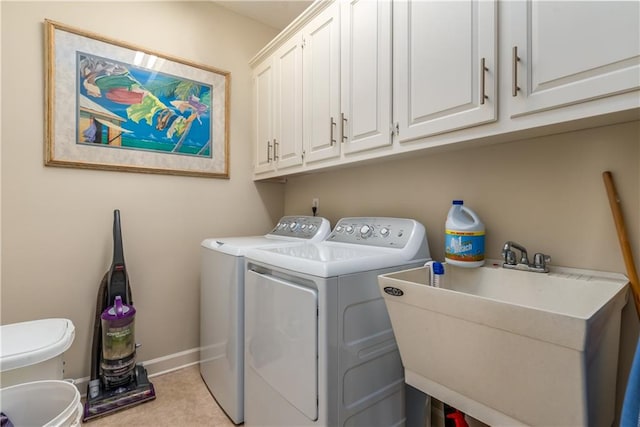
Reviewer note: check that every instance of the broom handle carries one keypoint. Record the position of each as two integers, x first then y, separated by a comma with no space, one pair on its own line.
614,202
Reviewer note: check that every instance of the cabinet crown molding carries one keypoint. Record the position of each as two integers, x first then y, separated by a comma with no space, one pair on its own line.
296,25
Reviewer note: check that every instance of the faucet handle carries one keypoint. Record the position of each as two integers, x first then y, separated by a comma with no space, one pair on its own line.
540,260
509,257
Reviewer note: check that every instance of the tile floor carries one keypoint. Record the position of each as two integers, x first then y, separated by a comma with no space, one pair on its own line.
182,399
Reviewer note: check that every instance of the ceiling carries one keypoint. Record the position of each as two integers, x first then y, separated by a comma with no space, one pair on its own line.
276,14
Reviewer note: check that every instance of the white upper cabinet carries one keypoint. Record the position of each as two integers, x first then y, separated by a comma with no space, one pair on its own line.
321,92
278,108
366,74
568,52
287,142
263,109
355,80
444,66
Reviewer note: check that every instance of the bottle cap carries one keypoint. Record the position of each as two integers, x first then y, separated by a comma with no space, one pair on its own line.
438,268
457,202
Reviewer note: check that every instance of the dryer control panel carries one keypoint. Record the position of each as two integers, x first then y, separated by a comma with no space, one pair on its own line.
303,227
377,231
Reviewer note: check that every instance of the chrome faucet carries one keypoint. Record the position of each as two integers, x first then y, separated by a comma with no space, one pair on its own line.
540,260
510,256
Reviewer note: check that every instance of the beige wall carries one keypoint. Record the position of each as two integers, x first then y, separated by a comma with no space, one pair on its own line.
56,222
545,193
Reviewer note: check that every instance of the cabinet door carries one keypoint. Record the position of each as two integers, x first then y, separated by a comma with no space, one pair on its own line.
366,74
321,92
439,47
572,51
287,141
263,97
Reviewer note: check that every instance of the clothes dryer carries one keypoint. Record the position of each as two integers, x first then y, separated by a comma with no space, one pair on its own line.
319,348
222,305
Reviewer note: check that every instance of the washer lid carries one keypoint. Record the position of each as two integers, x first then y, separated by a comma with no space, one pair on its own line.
27,343
290,229
238,246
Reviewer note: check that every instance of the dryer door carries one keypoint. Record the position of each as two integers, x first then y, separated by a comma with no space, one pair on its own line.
282,338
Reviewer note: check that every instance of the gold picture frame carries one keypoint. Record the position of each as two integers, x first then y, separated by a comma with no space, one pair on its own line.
116,106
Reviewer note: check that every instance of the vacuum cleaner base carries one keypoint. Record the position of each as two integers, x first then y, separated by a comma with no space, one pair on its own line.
109,401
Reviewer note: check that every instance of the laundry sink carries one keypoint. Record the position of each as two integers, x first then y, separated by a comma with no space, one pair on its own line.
510,347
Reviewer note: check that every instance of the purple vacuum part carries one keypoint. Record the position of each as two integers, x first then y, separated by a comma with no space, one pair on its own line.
5,421
119,315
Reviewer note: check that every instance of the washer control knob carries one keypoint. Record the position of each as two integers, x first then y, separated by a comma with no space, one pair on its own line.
384,232
349,229
312,227
339,229
366,231
293,226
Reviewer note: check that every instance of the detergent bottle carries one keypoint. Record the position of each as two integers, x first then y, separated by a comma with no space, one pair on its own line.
464,237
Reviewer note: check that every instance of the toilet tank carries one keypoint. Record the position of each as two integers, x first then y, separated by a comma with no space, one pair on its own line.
32,351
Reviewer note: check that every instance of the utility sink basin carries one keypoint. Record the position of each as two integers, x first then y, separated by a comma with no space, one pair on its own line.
510,347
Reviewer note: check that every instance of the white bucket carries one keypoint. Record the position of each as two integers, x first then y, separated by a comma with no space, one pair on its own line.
42,403
32,351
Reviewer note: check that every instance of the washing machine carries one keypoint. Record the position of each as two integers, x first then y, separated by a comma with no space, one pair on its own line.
222,305
319,348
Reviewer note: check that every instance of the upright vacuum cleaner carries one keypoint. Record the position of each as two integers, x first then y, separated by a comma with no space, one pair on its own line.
117,382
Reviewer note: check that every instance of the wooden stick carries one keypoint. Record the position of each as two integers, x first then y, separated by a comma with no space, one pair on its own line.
614,202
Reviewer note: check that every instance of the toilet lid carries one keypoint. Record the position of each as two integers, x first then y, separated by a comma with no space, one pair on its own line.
27,343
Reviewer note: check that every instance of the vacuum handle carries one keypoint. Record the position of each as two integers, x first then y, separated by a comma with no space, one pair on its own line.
118,254
118,281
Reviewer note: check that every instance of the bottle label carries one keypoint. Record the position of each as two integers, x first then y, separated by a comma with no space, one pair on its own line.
464,245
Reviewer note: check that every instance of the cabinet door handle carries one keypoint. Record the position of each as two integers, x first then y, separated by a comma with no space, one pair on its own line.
344,120
268,151
483,70
275,149
515,60
333,125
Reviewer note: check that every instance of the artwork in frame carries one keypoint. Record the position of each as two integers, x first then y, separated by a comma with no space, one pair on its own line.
112,105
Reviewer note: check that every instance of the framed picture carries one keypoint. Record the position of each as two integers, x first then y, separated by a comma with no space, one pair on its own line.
112,105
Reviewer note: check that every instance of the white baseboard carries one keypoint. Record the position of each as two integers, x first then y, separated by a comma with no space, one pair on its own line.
172,362
158,366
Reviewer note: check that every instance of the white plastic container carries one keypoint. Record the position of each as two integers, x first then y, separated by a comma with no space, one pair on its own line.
464,237
32,351
42,403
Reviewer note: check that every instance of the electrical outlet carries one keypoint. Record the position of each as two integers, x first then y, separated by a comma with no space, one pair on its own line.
315,202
